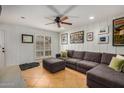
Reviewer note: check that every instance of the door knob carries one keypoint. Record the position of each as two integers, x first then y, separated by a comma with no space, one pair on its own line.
3,49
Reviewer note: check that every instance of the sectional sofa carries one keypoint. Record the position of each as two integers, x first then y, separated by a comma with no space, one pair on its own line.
95,66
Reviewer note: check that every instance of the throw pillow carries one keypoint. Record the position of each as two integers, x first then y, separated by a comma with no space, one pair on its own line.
122,68
116,64
120,57
64,54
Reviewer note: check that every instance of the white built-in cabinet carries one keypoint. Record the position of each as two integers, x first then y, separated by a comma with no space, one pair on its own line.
42,46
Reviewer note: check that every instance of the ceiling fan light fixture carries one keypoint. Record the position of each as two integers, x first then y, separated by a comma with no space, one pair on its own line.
22,17
91,17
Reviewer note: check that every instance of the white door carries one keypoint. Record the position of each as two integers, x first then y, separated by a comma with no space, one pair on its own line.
2,49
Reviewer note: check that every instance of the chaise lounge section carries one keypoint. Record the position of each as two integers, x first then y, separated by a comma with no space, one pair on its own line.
103,76
95,65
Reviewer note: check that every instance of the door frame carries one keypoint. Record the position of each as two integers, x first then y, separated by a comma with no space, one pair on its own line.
4,63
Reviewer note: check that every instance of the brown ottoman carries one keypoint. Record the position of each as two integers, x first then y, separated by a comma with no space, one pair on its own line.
53,64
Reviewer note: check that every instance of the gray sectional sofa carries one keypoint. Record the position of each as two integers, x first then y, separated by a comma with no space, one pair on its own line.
95,65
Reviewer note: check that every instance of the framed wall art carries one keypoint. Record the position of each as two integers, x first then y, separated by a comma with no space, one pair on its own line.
104,30
90,36
27,38
103,39
64,38
77,37
118,32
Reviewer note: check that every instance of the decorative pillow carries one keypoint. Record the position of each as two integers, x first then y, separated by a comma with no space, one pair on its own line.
64,54
120,57
122,68
116,64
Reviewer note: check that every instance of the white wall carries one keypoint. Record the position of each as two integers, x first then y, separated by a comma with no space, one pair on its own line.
93,45
17,52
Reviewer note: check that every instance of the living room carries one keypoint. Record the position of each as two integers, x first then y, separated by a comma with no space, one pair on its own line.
58,46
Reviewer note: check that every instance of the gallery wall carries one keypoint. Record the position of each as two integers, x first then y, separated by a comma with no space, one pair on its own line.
17,52
93,45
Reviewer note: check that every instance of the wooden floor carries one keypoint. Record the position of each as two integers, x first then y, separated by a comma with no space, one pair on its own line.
38,77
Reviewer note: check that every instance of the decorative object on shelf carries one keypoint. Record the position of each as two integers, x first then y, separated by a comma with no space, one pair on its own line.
77,37
103,39
64,38
90,36
27,38
118,32
104,30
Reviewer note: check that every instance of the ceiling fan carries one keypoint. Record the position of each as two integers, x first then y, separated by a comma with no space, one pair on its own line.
59,20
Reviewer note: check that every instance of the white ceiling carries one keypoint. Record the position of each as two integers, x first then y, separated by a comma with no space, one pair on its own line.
35,14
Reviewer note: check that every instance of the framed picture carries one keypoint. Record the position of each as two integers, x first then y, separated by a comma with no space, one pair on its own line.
27,38
102,39
90,36
118,32
64,38
77,37
104,30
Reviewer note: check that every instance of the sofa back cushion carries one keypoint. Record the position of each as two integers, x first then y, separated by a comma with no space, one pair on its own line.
78,54
93,56
106,58
70,53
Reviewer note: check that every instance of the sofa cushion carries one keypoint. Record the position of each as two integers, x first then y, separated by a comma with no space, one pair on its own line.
106,76
72,60
106,58
70,53
93,56
78,54
86,64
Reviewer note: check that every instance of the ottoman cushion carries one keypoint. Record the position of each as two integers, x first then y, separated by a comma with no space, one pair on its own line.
53,64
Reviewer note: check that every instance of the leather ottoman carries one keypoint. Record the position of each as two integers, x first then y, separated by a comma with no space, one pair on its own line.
53,64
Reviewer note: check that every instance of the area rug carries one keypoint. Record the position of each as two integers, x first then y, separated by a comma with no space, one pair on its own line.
28,65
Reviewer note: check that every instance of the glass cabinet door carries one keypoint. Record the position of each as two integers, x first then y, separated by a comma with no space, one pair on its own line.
47,46
39,46
43,46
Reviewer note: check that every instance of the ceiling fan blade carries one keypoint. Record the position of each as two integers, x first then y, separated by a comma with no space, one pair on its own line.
49,18
50,23
64,18
58,25
73,16
66,23
69,9
51,7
